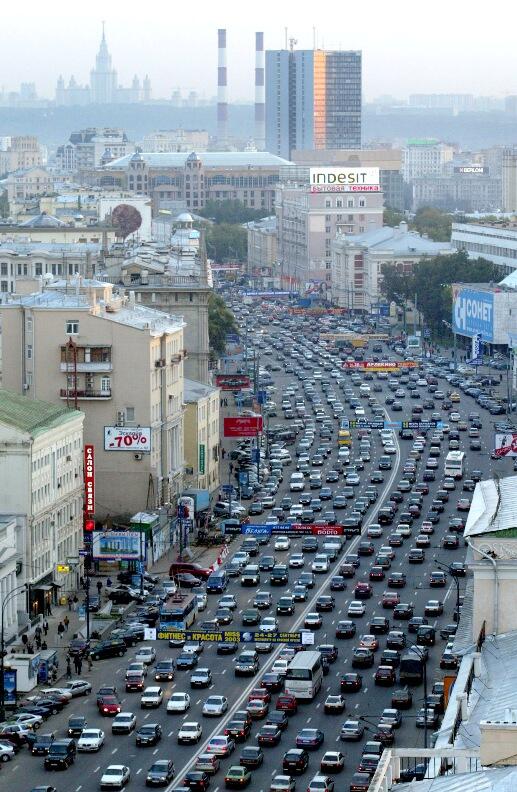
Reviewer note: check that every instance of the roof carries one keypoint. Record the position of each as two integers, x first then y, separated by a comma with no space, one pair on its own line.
497,779
43,220
48,248
210,159
194,390
493,507
398,240
510,280
32,415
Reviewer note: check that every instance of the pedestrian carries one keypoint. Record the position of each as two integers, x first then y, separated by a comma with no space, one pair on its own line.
500,378
81,582
69,600
109,583
79,666
68,669
76,664
49,609
44,646
60,630
37,641
223,452
75,602
45,626
30,647
66,622
99,586
25,641
90,662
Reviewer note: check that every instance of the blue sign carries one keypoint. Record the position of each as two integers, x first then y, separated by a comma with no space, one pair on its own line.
10,687
473,313
262,397
255,455
257,530
244,477
232,338
396,424
228,488
427,332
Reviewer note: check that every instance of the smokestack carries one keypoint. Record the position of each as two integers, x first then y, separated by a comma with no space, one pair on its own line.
260,128
222,93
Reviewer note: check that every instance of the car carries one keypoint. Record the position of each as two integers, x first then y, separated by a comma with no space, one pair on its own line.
257,708
151,697
356,608
450,542
350,682
227,647
313,621
237,777
396,639
334,704
76,725
287,703
282,543
123,723
164,670
433,608
201,678
282,783
108,648
108,705
214,706
160,773
352,731
77,687
187,660
295,761
90,740
362,657
269,734
208,763
324,603
189,732
390,599
40,746
285,605
148,734
221,745
178,702
115,777
362,591
397,580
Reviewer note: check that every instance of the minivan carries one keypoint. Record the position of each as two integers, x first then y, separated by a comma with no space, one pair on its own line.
217,582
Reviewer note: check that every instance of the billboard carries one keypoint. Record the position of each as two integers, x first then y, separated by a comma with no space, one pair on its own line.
292,529
231,636
473,312
89,479
344,179
247,426
122,438
231,382
469,170
506,444
118,545
372,365
10,683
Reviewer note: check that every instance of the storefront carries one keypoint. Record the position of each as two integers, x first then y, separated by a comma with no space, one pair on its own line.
43,596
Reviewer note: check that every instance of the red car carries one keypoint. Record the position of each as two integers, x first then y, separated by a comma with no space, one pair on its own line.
109,705
194,569
363,591
377,573
385,675
261,693
287,703
390,599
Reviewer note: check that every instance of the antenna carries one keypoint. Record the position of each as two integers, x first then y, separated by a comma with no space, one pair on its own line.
285,31
292,43
314,45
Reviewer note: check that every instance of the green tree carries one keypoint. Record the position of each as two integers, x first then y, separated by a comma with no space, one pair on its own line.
433,222
392,217
230,212
227,242
221,321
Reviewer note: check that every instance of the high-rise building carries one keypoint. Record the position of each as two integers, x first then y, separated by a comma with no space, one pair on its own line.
313,100
103,78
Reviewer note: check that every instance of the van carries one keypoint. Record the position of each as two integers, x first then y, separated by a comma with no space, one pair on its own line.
217,582
297,482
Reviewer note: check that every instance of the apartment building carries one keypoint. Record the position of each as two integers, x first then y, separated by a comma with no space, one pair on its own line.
82,344
262,262
22,151
424,157
202,436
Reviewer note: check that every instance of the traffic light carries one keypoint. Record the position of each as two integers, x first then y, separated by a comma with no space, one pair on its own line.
88,524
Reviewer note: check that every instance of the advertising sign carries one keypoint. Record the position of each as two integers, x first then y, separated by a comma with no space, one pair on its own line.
246,426
117,545
473,312
469,170
292,529
10,680
230,636
202,457
124,438
343,179
231,382
365,424
383,365
89,479
506,444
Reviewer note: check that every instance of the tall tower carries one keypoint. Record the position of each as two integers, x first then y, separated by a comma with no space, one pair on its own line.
103,78
260,115
222,90
147,89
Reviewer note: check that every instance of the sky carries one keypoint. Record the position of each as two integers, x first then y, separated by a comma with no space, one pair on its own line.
408,47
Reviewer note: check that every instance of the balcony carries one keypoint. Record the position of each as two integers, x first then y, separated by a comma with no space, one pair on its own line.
87,367
85,394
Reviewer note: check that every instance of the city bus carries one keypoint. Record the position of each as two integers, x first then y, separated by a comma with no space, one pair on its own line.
178,612
414,345
304,675
454,464
344,438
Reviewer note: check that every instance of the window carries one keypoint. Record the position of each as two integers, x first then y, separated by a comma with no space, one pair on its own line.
105,384
328,203
3,268
362,202
350,203
29,351
339,203
130,413
72,327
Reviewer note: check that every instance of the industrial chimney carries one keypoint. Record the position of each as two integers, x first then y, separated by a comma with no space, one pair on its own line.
260,128
222,94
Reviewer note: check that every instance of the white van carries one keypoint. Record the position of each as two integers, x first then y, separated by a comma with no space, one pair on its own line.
297,482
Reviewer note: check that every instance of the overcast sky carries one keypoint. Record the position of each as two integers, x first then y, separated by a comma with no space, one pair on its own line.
408,47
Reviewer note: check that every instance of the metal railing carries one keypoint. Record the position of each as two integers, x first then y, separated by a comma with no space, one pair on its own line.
406,764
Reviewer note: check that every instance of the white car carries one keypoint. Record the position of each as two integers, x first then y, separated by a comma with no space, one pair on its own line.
77,687
390,449
115,777
227,601
190,732
221,745
296,510
193,647
178,702
6,751
90,740
321,783
268,624
137,668
320,563
169,586
296,561
215,706
146,654
281,783
280,666
60,691
241,558
356,608
123,723
282,543
31,721
151,697
202,601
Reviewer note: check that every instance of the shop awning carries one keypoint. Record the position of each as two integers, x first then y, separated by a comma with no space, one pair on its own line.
43,587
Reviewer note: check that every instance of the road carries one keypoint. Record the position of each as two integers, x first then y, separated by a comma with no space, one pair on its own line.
25,771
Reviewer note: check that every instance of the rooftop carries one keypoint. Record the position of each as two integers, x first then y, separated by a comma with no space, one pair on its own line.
397,240
48,248
194,390
32,415
43,220
498,779
493,507
210,159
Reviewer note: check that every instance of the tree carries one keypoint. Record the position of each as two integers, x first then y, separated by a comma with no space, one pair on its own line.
126,219
227,242
221,321
230,212
433,222
392,217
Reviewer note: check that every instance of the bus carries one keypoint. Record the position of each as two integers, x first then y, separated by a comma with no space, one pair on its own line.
454,464
344,438
414,345
411,669
178,612
304,675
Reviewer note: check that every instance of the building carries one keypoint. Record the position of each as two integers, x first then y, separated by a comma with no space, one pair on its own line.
15,606
46,228
509,171
83,343
262,261
313,100
389,162
21,153
308,222
357,263
91,148
459,103
495,242
41,469
108,204
28,183
23,262
469,188
202,437
177,180
486,309
424,157
168,140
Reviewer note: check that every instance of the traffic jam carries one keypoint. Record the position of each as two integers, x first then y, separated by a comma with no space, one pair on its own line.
327,634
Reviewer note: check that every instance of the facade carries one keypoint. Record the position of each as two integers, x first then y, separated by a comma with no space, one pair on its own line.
28,183
22,263
497,243
21,153
262,261
122,364
460,191
357,263
424,157
308,223
90,148
461,103
50,230
177,180
389,162
9,529
509,171
487,309
202,438
41,469
313,100
168,140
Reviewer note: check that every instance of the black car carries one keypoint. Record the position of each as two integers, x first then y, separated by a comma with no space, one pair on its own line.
251,756
160,773
61,754
186,580
76,724
279,575
164,670
325,602
41,744
227,647
345,629
350,682
148,734
273,682
295,761
109,648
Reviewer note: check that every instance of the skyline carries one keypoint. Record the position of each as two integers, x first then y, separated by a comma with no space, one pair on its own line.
164,50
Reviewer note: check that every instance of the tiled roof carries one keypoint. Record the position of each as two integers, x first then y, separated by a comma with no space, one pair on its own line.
32,415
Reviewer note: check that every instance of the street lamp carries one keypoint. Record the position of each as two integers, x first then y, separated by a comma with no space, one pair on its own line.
9,597
420,653
448,568
449,326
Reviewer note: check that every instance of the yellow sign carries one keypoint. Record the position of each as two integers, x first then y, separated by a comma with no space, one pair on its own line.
63,568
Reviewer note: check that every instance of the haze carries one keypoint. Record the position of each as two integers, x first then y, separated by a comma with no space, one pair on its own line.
407,47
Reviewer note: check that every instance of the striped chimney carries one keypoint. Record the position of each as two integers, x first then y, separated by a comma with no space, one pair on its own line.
260,124
222,91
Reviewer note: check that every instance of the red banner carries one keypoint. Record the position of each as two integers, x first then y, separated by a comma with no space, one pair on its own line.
231,382
372,365
89,479
247,426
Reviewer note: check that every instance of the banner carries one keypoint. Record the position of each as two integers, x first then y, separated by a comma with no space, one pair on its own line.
121,438
202,457
89,479
246,426
506,444
231,382
118,545
292,529
362,423
473,312
230,636
372,365
10,683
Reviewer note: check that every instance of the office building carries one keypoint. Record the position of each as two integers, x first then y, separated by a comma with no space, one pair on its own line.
424,157
168,140
21,263
91,148
468,188
262,261
202,437
496,242
313,100
20,153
